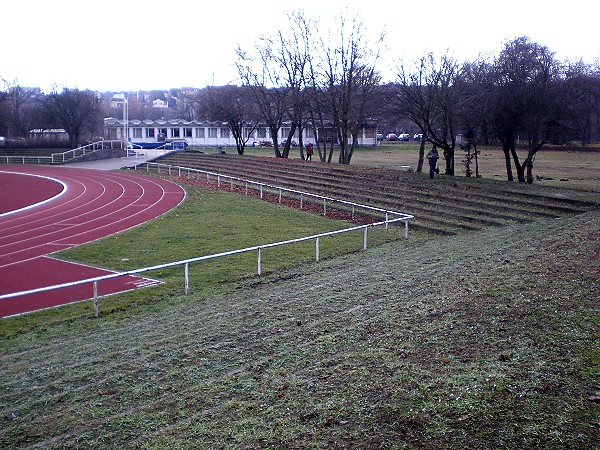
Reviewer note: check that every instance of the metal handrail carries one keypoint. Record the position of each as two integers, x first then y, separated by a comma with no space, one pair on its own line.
64,156
10,159
401,217
83,150
263,186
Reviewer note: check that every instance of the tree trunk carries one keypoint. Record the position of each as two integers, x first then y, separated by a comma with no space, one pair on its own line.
449,157
507,161
518,166
421,156
476,161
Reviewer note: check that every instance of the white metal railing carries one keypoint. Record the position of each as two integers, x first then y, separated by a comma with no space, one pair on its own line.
25,159
262,187
86,149
400,217
64,156
187,262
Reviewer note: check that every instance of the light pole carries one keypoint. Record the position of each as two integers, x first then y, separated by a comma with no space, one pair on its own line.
126,122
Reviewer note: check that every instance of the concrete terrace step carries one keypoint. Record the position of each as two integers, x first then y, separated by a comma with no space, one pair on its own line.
440,206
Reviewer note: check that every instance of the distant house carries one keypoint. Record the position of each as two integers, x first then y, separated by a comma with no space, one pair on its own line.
159,103
117,100
210,134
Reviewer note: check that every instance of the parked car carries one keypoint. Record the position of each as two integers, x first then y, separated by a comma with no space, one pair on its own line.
263,143
404,137
392,137
418,137
379,137
2,141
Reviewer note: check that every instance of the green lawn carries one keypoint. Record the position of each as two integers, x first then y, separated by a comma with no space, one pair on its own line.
479,340
209,222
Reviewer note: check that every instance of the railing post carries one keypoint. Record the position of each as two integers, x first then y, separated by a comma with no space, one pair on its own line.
280,196
386,220
246,188
301,201
187,278
261,191
406,229
260,261
365,238
317,250
218,181
96,303
324,207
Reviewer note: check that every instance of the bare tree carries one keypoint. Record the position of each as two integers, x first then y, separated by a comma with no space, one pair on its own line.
75,111
264,74
298,69
344,69
429,97
22,104
4,109
232,104
529,101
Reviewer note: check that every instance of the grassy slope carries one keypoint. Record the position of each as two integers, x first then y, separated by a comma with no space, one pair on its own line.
484,340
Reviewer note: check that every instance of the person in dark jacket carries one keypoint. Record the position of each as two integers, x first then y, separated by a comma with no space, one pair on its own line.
432,156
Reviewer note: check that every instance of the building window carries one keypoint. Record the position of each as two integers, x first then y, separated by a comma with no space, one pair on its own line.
174,132
225,133
163,132
262,133
212,132
136,132
149,132
285,131
199,132
309,133
187,132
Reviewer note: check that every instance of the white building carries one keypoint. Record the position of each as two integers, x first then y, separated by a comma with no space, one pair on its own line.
204,134
159,103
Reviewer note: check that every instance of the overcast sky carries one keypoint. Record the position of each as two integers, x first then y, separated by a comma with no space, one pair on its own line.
115,45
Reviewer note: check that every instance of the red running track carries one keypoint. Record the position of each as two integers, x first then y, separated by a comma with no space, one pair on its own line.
44,209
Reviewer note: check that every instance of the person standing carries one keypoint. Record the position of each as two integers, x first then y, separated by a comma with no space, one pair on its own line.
309,152
432,156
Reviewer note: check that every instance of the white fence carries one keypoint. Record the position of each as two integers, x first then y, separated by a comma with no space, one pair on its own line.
57,158
265,187
85,150
391,217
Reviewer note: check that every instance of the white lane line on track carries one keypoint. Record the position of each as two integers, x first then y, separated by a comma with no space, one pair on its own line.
30,217
66,226
92,230
35,205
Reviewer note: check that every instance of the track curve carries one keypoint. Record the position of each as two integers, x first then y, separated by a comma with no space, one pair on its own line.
94,204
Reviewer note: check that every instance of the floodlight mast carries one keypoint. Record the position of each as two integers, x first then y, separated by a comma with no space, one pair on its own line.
125,121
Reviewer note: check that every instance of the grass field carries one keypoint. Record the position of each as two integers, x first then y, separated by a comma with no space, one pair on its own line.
479,340
569,168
